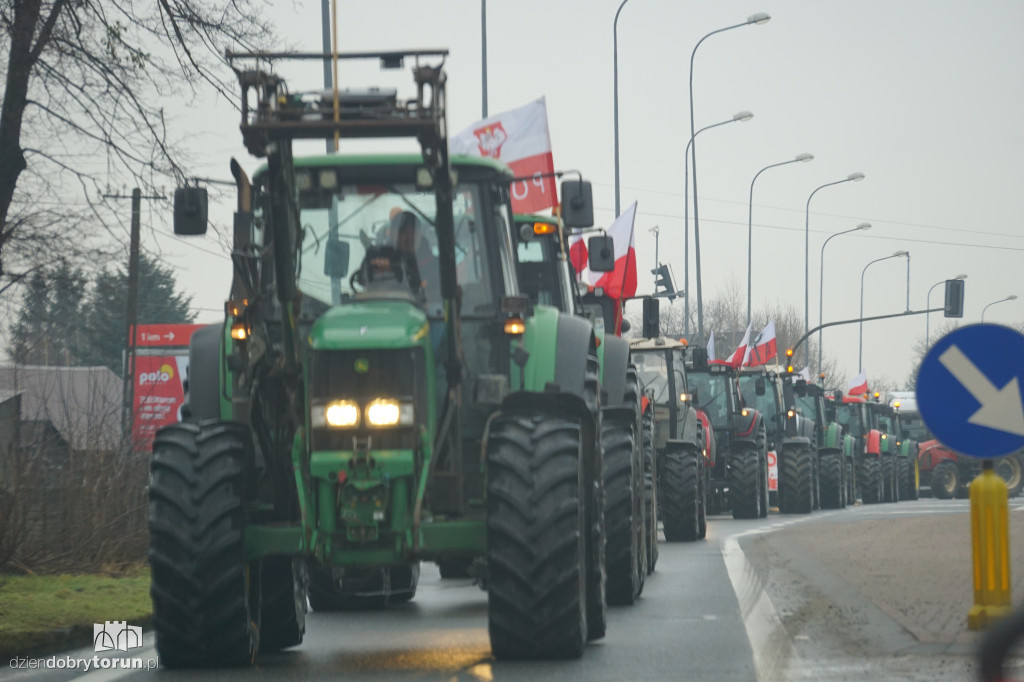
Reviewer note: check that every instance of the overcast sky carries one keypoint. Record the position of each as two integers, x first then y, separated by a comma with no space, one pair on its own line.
923,97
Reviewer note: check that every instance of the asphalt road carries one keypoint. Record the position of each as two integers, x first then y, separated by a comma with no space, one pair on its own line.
765,600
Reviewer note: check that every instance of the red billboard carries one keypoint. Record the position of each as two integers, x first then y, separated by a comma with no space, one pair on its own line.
161,365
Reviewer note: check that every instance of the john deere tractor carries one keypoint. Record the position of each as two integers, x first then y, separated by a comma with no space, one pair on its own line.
344,424
547,276
834,446
790,436
855,415
739,456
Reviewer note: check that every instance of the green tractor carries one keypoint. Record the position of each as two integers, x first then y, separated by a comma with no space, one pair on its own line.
343,426
835,448
547,277
897,461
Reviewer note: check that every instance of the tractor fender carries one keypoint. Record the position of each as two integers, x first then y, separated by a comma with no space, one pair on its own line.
795,441
621,412
690,426
613,369
708,433
933,452
575,338
565,369
832,437
550,402
873,443
203,386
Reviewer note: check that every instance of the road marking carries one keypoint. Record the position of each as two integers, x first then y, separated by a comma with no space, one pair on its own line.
1001,408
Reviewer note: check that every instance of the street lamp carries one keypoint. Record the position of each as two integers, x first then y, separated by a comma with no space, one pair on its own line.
928,306
1011,297
759,18
738,116
800,158
860,351
852,177
821,281
615,81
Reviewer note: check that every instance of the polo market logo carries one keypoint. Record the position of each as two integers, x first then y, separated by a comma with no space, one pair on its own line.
162,375
116,636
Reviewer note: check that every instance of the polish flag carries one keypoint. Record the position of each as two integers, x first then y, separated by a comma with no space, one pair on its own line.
711,347
620,283
740,354
858,385
520,139
763,348
578,253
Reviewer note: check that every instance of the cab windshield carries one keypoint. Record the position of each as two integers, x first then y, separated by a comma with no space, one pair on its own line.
848,415
712,396
652,370
396,220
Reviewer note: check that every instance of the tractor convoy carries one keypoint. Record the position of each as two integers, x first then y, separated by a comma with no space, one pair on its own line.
407,371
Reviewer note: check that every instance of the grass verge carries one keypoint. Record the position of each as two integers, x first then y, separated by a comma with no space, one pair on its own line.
46,613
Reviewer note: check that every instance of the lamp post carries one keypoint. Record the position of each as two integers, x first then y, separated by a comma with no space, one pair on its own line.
1011,297
860,351
759,18
615,81
738,116
821,282
852,177
928,305
800,158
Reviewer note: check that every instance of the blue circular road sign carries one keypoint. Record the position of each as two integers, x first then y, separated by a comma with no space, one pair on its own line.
969,390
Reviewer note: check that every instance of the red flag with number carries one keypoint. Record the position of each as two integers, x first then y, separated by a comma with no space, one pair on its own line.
520,139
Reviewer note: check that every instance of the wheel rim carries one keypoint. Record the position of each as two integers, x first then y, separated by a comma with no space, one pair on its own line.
1009,469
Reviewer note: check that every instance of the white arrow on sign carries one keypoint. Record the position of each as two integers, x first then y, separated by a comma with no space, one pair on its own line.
1001,408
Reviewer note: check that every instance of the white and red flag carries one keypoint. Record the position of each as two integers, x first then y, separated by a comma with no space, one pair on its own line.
858,385
520,139
578,253
763,348
620,283
711,347
740,354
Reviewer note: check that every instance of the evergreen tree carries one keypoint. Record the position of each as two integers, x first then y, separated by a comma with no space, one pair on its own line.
47,329
103,322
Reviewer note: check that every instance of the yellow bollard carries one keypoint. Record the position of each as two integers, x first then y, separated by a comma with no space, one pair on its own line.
990,539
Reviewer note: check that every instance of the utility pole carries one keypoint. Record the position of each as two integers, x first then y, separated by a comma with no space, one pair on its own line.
131,311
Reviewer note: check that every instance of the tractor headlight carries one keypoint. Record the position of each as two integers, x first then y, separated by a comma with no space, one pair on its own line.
337,414
384,412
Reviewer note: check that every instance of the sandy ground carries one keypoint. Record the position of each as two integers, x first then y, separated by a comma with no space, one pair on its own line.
880,599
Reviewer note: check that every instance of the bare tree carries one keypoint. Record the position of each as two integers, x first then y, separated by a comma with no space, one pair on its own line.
83,104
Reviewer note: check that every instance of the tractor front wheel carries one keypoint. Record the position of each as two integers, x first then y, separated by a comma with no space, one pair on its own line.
796,473
536,538
869,477
285,581
681,503
945,480
832,481
745,484
1009,468
206,596
622,511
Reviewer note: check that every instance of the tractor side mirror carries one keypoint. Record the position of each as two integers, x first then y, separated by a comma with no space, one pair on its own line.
190,211
602,253
626,326
577,203
759,387
336,258
699,357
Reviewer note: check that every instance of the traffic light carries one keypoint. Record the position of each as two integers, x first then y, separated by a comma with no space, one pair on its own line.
954,298
663,281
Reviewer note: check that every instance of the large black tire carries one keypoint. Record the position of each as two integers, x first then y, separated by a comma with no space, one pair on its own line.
888,476
902,479
650,491
745,494
796,474
206,596
832,493
1010,469
284,581
680,495
536,538
404,579
596,536
914,479
623,511
869,476
632,398
324,593
945,480
851,481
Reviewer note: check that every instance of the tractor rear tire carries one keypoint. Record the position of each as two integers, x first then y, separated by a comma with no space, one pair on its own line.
284,581
745,494
1010,469
851,482
762,458
887,475
403,582
650,498
594,522
623,500
633,399
902,480
945,480
796,473
869,475
206,596
832,492
536,538
680,494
